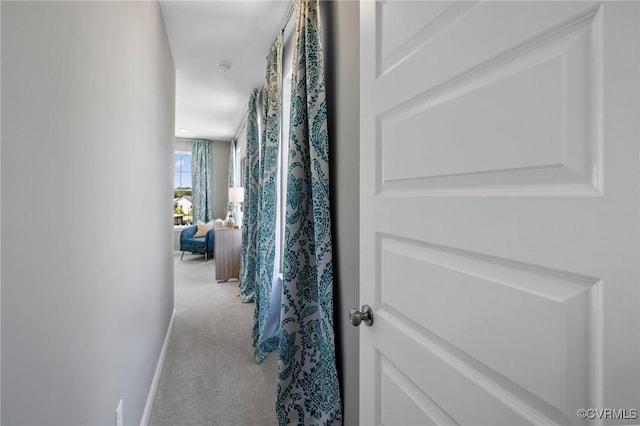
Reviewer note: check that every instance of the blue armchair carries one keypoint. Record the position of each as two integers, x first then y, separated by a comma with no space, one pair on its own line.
202,245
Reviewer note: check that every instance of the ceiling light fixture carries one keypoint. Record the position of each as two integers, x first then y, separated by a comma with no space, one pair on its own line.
224,66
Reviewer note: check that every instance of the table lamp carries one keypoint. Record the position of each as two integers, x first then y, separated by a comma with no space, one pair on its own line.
236,196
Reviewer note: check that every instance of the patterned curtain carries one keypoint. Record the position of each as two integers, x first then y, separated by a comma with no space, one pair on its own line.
232,164
250,220
308,391
266,240
201,180
231,179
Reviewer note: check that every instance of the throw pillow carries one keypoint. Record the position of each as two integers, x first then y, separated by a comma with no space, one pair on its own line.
203,228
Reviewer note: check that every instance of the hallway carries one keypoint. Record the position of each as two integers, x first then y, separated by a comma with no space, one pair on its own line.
210,376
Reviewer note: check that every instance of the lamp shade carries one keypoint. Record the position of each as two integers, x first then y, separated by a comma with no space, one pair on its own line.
236,195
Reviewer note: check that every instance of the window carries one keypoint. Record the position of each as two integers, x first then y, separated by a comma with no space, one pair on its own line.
283,163
182,203
182,175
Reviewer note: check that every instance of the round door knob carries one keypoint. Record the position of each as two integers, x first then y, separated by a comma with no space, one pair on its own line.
365,314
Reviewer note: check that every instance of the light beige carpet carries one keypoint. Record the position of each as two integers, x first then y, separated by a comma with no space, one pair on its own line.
210,375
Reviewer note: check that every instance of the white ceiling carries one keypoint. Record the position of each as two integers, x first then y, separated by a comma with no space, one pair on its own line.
210,104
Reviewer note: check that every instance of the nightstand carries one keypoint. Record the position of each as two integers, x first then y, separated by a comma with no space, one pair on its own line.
226,252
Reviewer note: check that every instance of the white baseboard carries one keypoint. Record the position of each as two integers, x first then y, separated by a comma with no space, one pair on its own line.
156,376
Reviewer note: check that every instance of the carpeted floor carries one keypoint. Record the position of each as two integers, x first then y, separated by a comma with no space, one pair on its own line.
210,375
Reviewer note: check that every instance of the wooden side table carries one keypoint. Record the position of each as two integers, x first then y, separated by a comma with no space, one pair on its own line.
227,244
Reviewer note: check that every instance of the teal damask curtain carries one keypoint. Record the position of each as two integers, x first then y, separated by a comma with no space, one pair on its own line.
231,178
250,221
232,164
268,193
201,180
308,391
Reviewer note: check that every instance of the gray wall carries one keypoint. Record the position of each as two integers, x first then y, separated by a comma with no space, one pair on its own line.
219,178
341,21
87,160
182,145
0,216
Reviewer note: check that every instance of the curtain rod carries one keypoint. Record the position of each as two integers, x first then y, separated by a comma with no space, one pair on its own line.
244,115
283,26
288,14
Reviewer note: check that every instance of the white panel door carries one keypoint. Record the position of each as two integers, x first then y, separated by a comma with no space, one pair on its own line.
500,212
